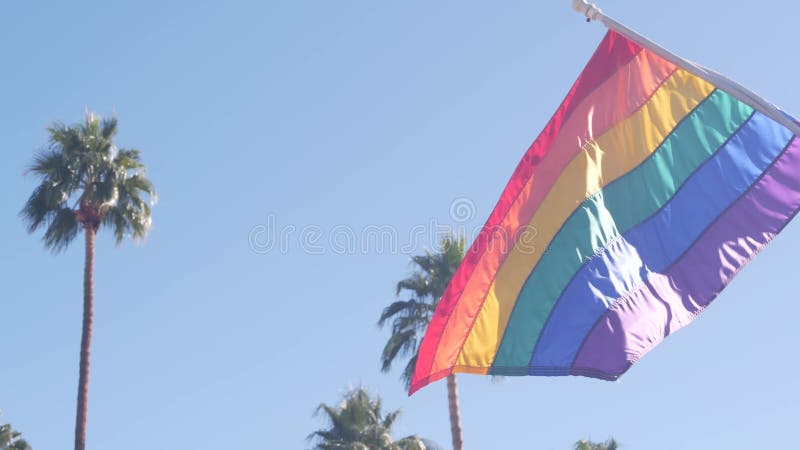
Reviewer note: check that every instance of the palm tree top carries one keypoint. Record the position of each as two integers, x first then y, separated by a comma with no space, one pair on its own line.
86,180
425,287
434,269
12,440
585,444
359,422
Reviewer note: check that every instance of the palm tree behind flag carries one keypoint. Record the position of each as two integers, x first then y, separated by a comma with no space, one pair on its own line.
410,318
87,182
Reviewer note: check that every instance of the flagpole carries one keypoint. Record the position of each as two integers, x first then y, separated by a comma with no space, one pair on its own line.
592,12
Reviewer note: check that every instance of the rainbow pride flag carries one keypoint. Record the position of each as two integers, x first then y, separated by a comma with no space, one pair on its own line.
646,193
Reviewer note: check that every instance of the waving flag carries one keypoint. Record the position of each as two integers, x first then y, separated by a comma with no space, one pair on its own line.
653,184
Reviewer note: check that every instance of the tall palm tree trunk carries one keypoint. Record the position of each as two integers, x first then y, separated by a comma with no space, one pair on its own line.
455,415
86,339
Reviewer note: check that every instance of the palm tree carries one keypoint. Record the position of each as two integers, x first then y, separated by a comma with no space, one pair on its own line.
410,318
358,423
11,440
584,444
86,182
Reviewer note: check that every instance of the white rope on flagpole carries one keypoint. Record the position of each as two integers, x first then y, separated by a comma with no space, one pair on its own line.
592,12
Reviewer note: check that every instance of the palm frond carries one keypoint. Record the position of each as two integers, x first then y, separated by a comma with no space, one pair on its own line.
416,320
425,262
416,443
408,371
39,206
49,163
405,308
108,128
417,283
91,128
390,418
398,344
65,139
131,214
115,220
62,230
129,159
104,191
138,184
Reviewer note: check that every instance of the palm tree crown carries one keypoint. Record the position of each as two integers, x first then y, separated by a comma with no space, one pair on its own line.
410,318
85,180
584,444
358,423
11,440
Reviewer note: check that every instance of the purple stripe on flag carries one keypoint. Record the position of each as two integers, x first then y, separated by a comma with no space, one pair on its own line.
666,302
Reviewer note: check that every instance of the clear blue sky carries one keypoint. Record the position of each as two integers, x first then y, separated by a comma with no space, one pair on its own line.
349,113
